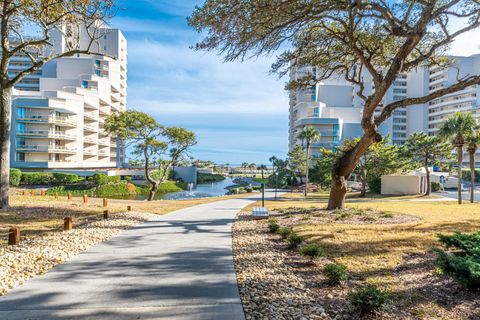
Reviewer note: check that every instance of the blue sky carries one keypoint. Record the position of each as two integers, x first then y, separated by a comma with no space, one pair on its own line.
238,110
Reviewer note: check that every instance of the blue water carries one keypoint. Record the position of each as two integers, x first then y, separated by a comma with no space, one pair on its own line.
204,190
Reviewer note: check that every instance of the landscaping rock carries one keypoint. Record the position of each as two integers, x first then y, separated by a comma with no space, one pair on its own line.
34,256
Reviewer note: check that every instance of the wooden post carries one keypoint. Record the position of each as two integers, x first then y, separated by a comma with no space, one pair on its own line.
105,214
67,224
24,192
56,195
69,196
42,193
129,208
32,192
85,198
13,236
105,202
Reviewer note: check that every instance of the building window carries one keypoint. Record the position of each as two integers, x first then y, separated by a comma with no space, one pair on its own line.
20,157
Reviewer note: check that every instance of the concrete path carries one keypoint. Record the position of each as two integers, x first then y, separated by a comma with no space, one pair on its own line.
177,266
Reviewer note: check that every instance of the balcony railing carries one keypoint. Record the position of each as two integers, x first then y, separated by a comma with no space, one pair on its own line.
89,140
46,134
90,151
57,120
90,128
44,148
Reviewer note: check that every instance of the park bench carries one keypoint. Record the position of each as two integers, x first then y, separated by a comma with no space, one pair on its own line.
260,212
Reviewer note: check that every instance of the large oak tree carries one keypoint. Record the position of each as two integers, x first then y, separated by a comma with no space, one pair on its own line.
26,29
349,38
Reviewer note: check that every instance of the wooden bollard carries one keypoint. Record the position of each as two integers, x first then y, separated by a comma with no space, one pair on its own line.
32,192
69,196
85,198
13,236
56,195
105,214
67,224
105,202
42,193
129,208
24,192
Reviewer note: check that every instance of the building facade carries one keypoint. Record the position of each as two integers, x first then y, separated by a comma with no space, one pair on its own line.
332,107
59,112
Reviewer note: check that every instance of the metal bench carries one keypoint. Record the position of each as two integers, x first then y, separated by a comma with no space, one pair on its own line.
260,212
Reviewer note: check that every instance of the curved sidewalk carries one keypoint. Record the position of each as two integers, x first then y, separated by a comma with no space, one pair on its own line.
176,266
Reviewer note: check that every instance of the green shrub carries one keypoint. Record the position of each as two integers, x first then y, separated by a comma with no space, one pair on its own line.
368,299
36,178
60,178
128,178
284,232
101,179
463,264
75,190
311,251
170,186
15,177
294,240
273,225
436,187
336,273
375,184
112,189
248,189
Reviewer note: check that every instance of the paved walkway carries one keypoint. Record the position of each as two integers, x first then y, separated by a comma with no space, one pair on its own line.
177,266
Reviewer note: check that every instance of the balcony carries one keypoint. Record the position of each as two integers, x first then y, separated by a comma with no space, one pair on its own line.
56,120
103,142
103,153
46,134
90,151
105,110
46,149
89,140
90,128
90,116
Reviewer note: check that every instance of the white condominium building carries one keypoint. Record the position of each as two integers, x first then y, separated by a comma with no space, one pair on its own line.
333,108
59,112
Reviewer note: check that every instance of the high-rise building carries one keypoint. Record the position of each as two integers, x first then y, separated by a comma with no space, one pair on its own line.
59,112
333,108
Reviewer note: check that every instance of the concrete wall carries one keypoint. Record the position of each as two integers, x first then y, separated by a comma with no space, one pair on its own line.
400,185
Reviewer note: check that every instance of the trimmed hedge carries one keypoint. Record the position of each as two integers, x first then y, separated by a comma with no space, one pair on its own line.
47,178
15,177
100,179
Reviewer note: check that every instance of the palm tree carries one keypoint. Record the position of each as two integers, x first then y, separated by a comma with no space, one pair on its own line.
457,128
244,166
309,136
473,141
261,168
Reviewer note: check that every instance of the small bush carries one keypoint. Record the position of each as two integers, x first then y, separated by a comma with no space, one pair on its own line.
336,273
368,299
294,240
248,189
100,179
311,251
375,184
284,232
112,189
36,178
60,178
436,187
273,225
463,264
15,177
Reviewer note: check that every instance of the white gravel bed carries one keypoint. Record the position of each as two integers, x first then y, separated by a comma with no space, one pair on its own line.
269,288
35,256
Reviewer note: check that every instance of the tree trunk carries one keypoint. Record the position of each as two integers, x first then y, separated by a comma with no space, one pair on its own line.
364,184
153,191
460,162
306,170
429,184
5,126
471,154
343,168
